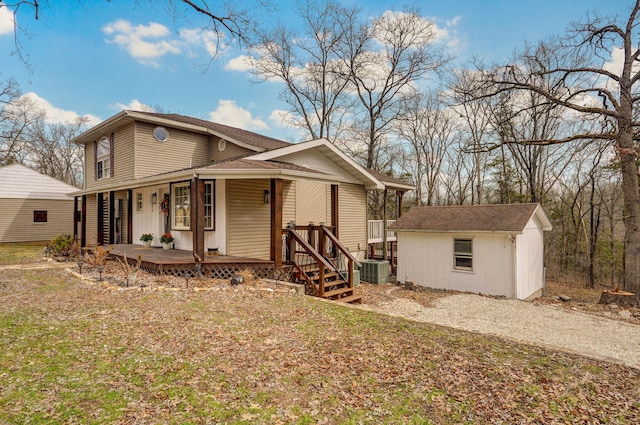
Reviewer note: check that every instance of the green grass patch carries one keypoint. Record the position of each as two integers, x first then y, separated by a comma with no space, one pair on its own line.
18,253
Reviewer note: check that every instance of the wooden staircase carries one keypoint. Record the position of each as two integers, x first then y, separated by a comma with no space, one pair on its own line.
322,263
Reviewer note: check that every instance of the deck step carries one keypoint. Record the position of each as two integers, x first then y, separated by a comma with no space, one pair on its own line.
337,292
351,299
327,275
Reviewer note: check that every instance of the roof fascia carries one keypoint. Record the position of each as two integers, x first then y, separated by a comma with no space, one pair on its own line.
542,217
312,144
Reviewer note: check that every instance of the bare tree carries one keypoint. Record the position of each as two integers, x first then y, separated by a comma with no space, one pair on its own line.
17,114
428,131
308,62
52,151
383,78
476,115
586,82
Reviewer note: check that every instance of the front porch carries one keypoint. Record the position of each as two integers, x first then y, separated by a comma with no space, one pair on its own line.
178,262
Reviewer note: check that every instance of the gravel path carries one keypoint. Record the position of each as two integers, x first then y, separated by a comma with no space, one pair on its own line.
541,325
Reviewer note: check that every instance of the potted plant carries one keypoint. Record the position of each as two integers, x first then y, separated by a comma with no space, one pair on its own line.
146,239
166,240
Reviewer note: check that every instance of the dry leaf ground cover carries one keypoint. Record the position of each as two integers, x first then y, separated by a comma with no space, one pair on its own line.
74,352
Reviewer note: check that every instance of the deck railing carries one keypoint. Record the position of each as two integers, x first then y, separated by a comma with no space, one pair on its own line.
376,231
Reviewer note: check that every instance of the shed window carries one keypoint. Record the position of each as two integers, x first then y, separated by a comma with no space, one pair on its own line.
40,216
463,254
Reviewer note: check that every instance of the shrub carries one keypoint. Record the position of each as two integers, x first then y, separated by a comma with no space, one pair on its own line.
61,246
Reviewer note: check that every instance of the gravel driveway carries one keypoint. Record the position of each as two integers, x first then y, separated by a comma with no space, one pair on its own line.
540,325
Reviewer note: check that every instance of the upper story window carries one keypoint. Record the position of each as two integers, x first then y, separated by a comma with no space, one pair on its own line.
463,254
103,159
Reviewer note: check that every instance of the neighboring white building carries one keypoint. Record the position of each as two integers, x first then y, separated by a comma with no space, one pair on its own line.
33,206
487,249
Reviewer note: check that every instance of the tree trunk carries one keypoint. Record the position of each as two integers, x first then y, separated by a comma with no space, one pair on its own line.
631,193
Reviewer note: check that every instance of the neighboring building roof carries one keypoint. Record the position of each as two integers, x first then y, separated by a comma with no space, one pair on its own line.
18,181
471,218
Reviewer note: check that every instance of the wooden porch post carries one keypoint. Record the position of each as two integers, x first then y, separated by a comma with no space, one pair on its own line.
276,222
400,195
197,216
130,216
83,225
76,218
385,248
334,209
100,216
112,217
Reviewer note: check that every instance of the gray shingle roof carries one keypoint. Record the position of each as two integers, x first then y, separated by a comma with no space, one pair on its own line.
238,134
479,218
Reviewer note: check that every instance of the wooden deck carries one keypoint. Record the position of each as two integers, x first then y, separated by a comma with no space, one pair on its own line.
178,262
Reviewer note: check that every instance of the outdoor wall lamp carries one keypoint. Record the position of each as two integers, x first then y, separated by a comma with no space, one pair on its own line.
267,197
154,198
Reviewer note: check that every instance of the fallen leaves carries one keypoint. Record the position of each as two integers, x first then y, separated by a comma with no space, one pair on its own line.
77,352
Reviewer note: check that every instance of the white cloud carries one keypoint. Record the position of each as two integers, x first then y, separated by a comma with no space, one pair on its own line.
242,63
7,20
228,113
143,42
134,105
55,115
200,37
281,118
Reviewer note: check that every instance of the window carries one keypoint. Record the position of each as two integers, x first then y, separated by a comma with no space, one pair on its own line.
161,134
181,197
139,204
103,159
39,216
209,206
463,254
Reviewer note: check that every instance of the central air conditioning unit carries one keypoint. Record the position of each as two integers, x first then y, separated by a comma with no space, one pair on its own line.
374,271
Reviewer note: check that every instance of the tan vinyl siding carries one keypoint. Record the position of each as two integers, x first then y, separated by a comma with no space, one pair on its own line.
123,158
231,150
249,219
16,219
352,213
124,153
311,203
288,202
92,220
182,150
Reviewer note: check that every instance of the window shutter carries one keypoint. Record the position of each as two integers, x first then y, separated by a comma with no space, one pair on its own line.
111,167
95,160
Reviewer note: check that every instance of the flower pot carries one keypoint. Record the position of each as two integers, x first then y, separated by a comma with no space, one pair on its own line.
166,245
146,244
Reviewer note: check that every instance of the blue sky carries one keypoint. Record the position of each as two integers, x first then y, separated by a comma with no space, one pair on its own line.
94,58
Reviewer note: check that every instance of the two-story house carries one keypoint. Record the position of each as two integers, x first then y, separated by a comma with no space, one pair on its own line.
216,187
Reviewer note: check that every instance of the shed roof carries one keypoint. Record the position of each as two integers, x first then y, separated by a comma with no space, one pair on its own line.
471,218
18,181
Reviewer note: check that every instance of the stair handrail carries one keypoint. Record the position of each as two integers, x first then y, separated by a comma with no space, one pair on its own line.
351,259
314,254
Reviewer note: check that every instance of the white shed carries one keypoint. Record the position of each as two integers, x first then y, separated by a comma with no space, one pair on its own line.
488,249
33,206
